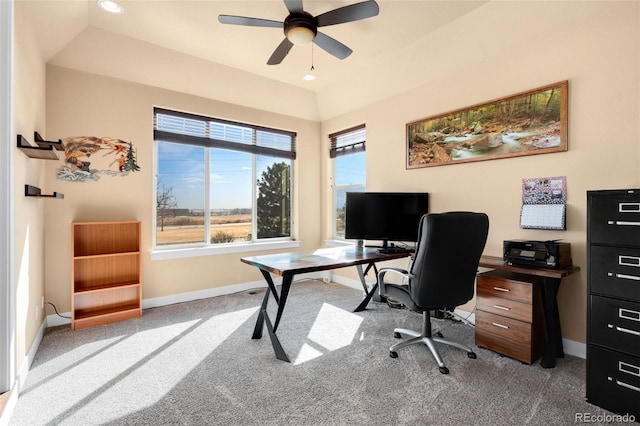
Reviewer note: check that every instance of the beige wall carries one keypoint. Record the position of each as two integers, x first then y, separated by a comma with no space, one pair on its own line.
82,104
29,72
598,54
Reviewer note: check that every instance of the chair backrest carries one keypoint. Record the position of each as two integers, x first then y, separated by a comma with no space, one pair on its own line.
447,256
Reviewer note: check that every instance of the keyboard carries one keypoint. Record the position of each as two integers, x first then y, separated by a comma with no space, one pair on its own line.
390,250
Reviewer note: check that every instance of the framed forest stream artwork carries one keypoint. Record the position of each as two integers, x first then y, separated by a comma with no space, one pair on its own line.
528,123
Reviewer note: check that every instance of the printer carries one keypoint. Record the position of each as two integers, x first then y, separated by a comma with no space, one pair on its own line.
550,254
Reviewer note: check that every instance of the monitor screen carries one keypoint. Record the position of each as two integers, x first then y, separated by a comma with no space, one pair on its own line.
384,216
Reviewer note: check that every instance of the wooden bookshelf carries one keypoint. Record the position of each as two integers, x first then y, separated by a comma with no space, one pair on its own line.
105,273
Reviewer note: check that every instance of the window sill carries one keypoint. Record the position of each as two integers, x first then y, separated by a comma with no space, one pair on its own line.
180,253
338,243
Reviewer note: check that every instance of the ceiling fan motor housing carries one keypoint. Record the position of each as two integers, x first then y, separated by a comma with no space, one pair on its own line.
300,27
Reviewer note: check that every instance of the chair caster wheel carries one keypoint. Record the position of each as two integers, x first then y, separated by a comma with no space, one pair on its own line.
471,355
397,335
393,354
443,370
438,334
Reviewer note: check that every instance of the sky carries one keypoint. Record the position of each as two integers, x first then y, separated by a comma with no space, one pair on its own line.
181,168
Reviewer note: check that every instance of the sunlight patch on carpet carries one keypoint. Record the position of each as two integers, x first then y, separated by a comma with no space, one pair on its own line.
126,368
333,328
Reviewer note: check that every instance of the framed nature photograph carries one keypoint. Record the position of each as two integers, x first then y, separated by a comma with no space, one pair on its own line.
528,123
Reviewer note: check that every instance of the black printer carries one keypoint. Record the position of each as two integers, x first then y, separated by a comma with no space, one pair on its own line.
550,254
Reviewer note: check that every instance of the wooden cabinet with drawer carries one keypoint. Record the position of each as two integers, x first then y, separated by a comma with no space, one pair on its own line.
509,315
613,308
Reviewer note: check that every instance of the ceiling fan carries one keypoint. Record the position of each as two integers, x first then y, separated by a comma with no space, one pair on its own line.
301,27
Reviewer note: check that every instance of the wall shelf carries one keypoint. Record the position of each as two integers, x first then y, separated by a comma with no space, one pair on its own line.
58,145
34,191
44,150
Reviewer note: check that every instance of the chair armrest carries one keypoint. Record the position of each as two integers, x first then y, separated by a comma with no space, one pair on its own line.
383,271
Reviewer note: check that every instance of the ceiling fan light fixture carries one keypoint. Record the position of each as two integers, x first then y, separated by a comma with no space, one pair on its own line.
300,35
300,28
111,6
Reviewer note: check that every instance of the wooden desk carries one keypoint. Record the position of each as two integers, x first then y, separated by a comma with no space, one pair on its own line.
287,265
550,284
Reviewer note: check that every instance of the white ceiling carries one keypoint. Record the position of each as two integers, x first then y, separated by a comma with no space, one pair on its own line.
192,28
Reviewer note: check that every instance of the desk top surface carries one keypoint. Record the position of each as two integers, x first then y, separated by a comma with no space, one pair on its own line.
494,262
319,260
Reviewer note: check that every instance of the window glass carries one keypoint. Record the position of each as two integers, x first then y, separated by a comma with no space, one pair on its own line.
348,151
180,193
220,182
230,196
274,197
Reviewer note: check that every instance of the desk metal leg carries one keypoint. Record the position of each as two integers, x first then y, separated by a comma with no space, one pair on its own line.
263,316
368,293
554,348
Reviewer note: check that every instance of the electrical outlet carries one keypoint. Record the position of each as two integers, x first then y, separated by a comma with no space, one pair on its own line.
42,302
37,312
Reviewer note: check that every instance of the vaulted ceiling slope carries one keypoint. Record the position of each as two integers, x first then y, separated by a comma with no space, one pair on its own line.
180,45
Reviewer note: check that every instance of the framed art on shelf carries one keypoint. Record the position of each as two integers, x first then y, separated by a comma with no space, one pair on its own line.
528,123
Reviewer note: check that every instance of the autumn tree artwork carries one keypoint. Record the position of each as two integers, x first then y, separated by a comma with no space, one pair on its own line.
533,122
88,157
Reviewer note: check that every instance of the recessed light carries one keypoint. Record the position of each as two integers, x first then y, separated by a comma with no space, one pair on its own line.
309,77
111,6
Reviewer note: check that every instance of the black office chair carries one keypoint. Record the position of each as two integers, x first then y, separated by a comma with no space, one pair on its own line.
442,275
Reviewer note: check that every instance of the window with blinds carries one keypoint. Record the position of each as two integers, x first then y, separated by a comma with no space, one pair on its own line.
348,150
220,182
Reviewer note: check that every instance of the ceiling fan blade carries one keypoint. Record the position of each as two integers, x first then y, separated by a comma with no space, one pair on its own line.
251,22
280,53
354,12
294,6
332,46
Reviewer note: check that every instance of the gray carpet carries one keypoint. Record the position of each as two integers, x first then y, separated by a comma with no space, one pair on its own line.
196,364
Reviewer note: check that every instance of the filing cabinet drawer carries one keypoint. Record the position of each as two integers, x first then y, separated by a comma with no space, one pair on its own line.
513,338
615,271
614,380
506,285
614,217
615,323
505,307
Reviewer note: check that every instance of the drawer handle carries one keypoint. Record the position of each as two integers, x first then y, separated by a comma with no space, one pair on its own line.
628,260
506,290
622,223
502,308
627,385
500,325
628,314
624,330
628,277
628,207
628,368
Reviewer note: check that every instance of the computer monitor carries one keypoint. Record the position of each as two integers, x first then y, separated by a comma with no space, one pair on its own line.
384,216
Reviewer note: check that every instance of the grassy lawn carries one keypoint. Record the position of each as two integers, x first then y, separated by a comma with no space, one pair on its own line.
186,229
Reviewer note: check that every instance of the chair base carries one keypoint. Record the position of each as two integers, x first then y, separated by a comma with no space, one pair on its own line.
426,338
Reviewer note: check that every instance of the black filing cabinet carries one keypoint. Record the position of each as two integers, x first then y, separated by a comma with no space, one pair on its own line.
613,306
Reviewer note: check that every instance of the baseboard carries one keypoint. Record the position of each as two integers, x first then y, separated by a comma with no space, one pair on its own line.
56,320
571,347
11,397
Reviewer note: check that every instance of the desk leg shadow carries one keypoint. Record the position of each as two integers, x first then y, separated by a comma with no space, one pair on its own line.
263,316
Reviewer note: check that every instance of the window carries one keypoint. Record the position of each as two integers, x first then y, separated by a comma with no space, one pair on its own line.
349,172
220,182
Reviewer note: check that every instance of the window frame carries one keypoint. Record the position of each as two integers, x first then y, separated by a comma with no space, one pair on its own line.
336,150
204,248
